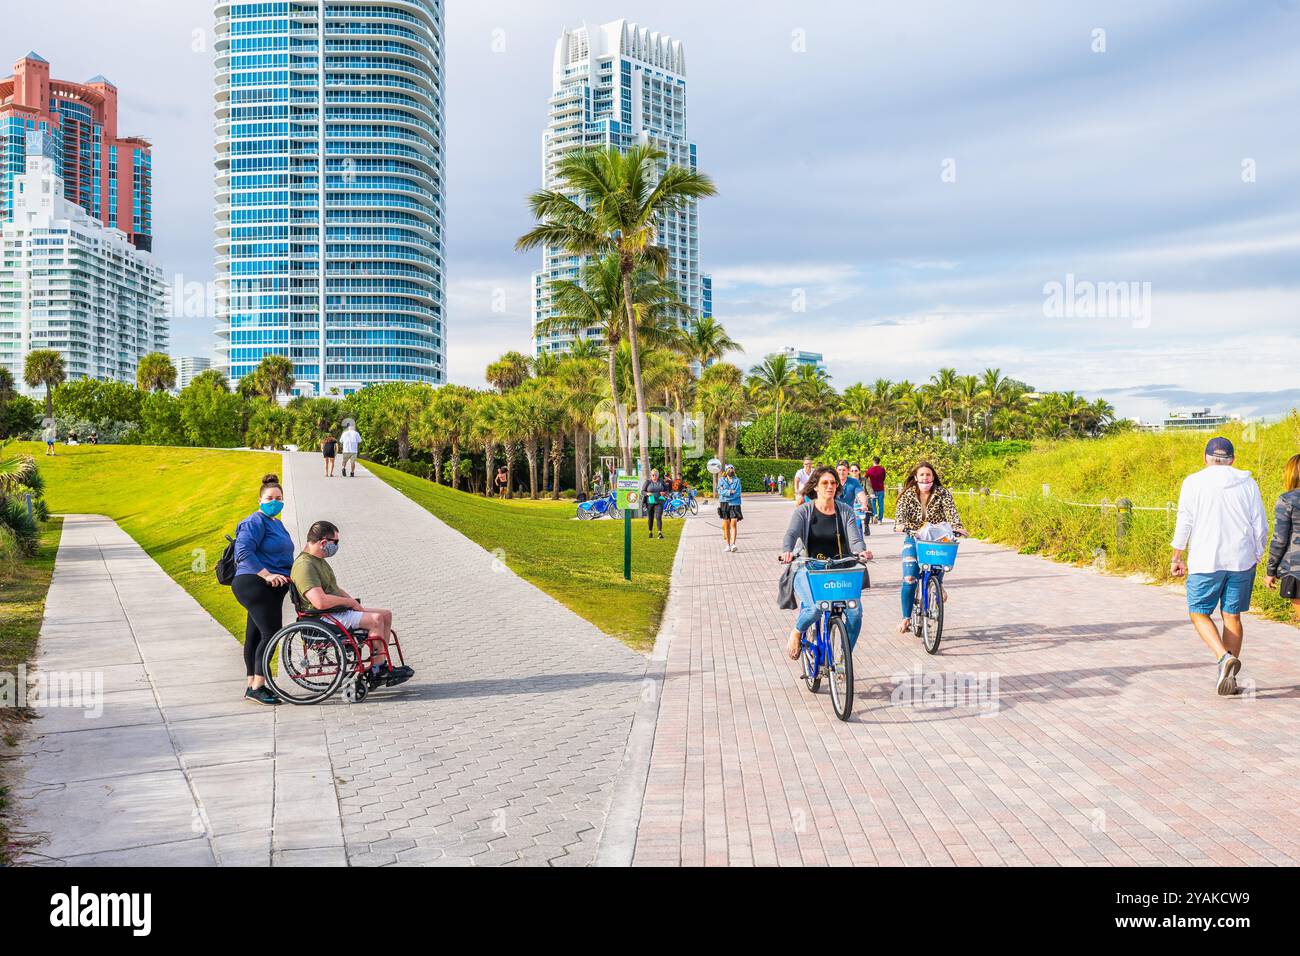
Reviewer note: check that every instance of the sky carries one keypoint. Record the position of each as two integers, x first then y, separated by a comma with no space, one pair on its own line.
1100,197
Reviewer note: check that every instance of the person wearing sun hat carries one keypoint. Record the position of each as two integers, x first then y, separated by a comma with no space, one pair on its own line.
1223,532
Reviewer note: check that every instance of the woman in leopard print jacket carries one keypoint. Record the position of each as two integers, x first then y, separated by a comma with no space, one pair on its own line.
923,500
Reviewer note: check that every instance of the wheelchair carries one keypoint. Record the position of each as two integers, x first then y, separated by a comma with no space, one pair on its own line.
308,661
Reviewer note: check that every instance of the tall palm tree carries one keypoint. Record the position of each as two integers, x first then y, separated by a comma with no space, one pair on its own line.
452,408
968,392
583,394
44,367
771,382
155,373
813,393
884,400
596,302
398,415
855,405
7,389
614,201
485,429
509,371
722,400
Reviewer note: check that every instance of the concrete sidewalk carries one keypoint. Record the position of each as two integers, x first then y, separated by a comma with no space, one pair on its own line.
177,769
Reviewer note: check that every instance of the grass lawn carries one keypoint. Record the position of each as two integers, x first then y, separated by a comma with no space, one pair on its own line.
177,503
23,586
579,563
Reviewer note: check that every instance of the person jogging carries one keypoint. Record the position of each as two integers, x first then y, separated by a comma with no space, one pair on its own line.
654,493
876,481
729,506
1222,529
1284,549
350,442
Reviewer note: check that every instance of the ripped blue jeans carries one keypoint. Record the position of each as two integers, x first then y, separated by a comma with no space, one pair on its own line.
808,609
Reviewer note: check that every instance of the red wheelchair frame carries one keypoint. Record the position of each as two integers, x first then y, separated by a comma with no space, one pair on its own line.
349,668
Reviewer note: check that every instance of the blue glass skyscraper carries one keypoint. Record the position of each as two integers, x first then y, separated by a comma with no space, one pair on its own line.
329,190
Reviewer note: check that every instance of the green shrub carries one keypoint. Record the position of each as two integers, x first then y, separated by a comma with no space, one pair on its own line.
800,435
26,532
750,471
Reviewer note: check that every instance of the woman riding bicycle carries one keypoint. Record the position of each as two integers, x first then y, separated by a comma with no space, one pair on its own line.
923,500
828,530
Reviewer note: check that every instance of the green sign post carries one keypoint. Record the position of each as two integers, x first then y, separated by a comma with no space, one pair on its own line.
627,496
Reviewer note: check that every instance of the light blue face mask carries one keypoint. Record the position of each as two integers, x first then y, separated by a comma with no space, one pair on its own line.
271,508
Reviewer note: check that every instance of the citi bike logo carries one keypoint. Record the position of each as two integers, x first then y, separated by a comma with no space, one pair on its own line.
837,585
74,909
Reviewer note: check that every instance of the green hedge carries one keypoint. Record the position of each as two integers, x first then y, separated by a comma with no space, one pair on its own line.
750,471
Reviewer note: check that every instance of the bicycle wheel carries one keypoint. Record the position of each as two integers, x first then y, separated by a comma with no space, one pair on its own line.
675,509
692,506
808,657
841,669
585,514
304,663
613,511
933,620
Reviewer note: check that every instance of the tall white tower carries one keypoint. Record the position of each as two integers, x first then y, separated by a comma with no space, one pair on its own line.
329,190
619,84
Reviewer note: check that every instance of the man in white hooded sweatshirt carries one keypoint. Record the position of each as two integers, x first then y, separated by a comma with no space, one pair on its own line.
1221,517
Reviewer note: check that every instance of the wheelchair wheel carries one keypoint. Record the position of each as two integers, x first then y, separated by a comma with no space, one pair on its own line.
305,662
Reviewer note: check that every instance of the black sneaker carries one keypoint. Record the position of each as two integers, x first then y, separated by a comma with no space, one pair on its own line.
261,695
661,535
398,675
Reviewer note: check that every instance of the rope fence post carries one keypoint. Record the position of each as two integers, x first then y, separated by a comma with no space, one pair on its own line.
1123,519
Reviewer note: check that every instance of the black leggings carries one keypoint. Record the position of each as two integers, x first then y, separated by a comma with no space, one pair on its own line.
265,605
655,513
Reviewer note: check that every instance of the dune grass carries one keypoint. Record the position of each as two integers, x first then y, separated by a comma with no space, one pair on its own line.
579,563
177,503
1148,469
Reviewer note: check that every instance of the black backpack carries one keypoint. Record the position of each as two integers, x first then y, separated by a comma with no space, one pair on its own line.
226,564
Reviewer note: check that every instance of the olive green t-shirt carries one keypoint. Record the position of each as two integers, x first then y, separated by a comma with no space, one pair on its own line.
310,572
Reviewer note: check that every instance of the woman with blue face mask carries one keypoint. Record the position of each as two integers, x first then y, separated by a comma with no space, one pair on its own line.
264,555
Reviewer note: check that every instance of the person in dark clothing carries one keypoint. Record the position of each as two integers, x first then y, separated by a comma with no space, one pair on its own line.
264,556
328,447
1283,567
654,493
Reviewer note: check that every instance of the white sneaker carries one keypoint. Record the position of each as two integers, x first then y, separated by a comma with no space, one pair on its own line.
733,547
1226,685
726,548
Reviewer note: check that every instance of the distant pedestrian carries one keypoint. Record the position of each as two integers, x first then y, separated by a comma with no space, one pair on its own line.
51,435
780,485
1221,518
502,481
350,442
1284,551
729,506
328,446
876,480
93,438
654,493
801,478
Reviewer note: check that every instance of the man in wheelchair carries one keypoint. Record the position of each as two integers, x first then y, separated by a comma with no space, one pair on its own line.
318,590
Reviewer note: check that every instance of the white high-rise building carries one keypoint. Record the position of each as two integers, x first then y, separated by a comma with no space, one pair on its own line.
329,190
619,84
187,366
71,284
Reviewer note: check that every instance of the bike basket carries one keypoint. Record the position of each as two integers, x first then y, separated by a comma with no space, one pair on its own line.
836,585
936,552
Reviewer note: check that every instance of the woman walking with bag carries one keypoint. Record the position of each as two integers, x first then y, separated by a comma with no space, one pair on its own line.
827,529
1284,550
264,554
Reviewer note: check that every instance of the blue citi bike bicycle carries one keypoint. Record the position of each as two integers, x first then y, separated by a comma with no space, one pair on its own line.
933,559
824,650
596,507
681,502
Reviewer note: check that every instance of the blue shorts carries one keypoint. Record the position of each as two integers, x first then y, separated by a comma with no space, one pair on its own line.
1232,589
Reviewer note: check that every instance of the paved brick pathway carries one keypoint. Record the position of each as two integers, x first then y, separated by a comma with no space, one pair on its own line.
1101,742
505,747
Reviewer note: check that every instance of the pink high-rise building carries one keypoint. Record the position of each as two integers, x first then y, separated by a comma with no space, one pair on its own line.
108,175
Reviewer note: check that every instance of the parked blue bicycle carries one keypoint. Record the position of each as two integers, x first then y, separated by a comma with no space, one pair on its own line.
598,507
680,502
933,559
824,650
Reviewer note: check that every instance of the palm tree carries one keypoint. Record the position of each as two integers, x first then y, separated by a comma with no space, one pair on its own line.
813,392
398,414
771,382
583,393
596,302
7,389
485,428
274,376
509,371
155,373
449,415
618,207
968,391
722,401
705,341
884,400
856,405
44,367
